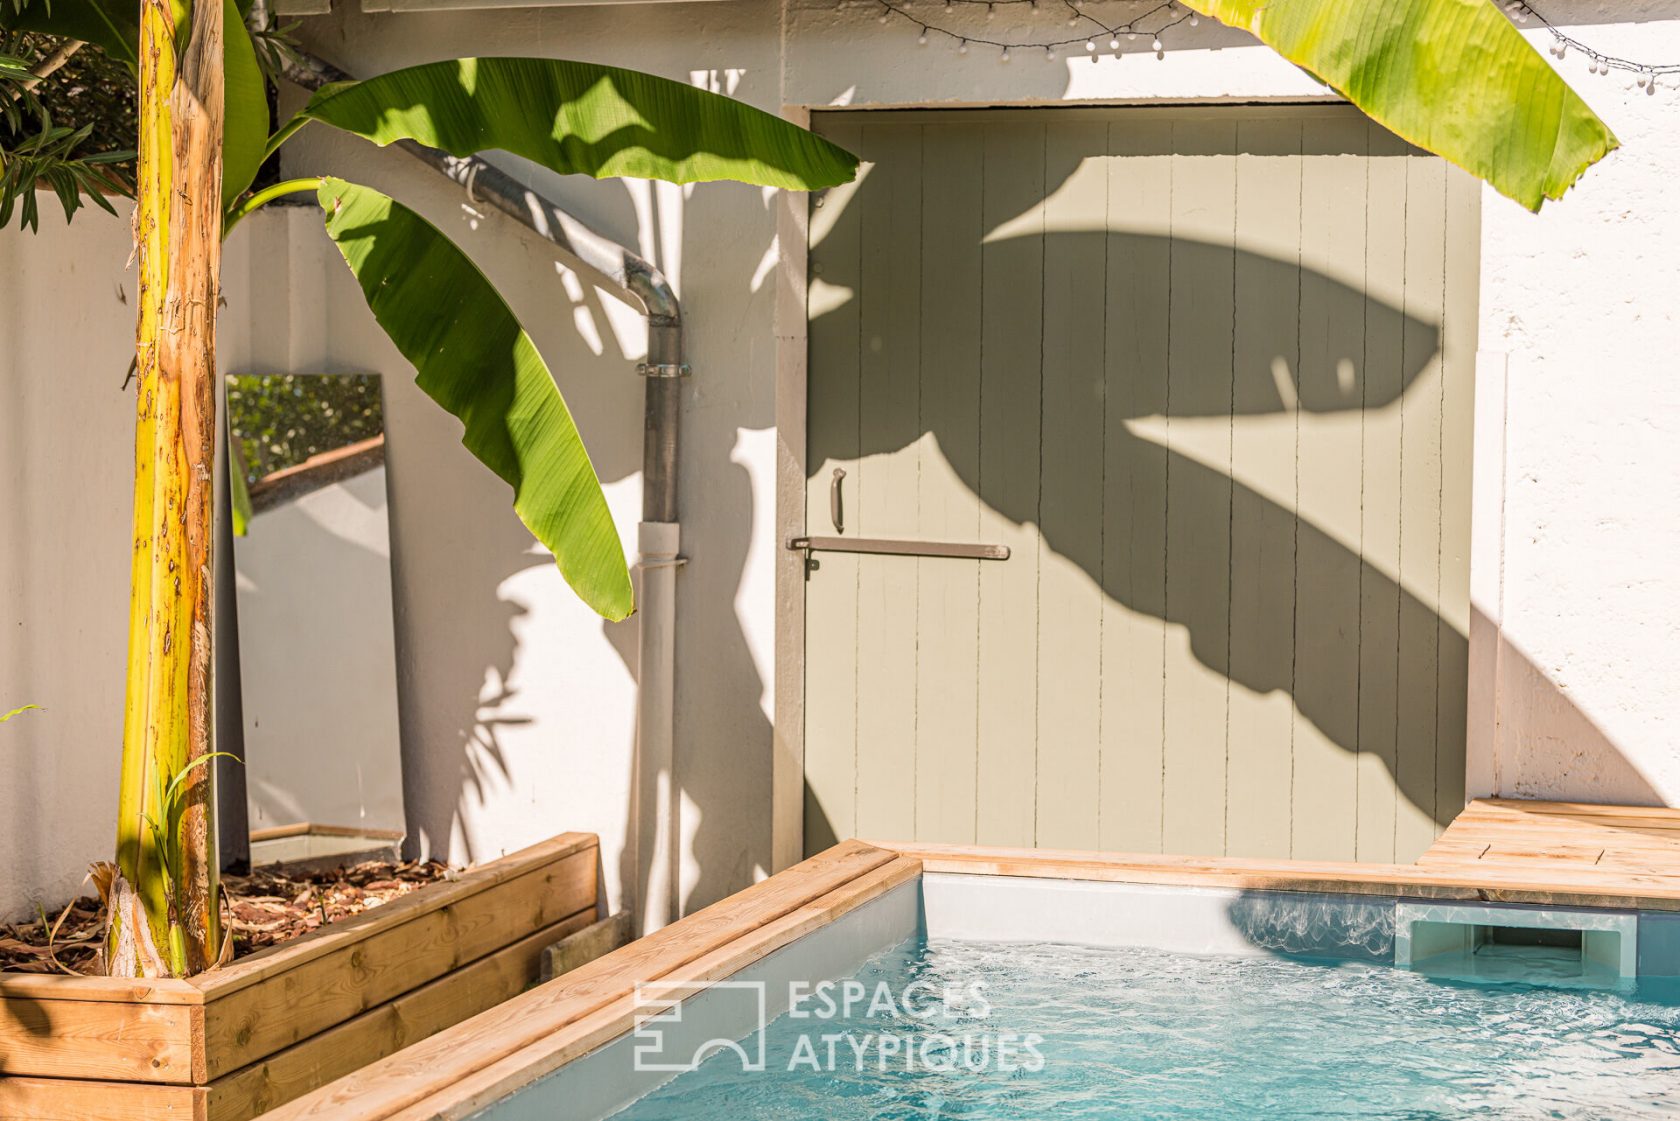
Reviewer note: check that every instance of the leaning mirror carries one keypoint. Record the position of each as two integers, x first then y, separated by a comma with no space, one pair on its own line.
312,577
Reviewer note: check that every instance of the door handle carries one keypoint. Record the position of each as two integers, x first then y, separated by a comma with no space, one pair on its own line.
952,550
836,508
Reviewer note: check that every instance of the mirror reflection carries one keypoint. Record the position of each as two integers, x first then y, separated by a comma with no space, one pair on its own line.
317,653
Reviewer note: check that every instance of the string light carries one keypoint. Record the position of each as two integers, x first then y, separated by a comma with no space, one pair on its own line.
1645,74
1163,17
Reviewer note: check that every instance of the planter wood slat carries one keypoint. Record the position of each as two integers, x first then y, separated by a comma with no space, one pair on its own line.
248,1017
275,1025
386,1029
100,1039
57,1099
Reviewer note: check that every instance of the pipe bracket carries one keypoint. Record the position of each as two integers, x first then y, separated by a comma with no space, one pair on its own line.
663,369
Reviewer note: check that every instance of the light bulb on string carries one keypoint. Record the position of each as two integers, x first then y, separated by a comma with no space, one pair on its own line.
962,47
1090,44
991,11
1156,46
1004,57
921,40
1195,20
882,18
1049,54
1114,43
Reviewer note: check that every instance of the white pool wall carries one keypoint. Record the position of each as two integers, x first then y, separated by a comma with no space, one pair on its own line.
1219,920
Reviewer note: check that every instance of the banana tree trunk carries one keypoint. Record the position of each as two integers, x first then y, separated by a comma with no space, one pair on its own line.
165,830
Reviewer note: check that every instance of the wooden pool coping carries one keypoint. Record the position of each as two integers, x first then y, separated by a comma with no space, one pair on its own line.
1620,857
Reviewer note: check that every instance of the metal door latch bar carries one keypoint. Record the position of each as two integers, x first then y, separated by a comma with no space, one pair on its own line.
954,550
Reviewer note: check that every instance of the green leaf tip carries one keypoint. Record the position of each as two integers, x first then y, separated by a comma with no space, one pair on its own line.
472,357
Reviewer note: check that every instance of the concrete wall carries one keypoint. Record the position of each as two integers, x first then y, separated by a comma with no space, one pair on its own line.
518,707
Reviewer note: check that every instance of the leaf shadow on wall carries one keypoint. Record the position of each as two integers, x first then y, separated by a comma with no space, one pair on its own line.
1195,540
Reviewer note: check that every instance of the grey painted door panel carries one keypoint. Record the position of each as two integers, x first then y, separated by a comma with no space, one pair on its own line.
1207,373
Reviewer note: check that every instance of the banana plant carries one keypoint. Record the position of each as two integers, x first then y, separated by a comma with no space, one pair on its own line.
1453,77
203,135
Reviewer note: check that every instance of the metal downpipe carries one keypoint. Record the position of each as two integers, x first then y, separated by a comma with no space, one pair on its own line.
657,859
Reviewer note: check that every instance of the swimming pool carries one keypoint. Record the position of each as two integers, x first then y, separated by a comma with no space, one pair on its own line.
1048,1030
870,983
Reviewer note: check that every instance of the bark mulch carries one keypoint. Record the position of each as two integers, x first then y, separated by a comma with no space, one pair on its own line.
265,907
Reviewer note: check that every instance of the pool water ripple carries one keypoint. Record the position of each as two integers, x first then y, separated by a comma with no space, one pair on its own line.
1143,1035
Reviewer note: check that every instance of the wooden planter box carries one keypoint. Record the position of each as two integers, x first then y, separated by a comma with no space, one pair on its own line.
235,1042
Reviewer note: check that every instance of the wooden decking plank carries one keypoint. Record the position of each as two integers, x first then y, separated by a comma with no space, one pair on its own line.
1629,850
1580,883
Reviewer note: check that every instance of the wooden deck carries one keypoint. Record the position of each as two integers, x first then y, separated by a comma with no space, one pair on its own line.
1560,853
1629,845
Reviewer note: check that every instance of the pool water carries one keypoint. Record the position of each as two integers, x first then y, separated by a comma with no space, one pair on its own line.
1142,1034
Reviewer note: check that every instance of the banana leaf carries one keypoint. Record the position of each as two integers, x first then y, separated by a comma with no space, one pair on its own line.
475,360
111,25
576,117
1451,76
245,108
114,27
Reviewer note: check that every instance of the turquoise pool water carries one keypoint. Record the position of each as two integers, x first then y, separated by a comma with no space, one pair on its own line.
1138,1034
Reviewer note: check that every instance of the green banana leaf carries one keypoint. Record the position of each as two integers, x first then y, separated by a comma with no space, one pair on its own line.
576,117
1452,76
111,25
475,360
114,27
239,494
245,108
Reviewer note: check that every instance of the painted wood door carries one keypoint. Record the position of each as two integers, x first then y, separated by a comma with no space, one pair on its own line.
1207,374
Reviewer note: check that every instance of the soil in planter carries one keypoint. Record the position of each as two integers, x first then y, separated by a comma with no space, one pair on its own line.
265,907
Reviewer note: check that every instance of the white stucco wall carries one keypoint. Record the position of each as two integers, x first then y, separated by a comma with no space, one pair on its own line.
518,707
